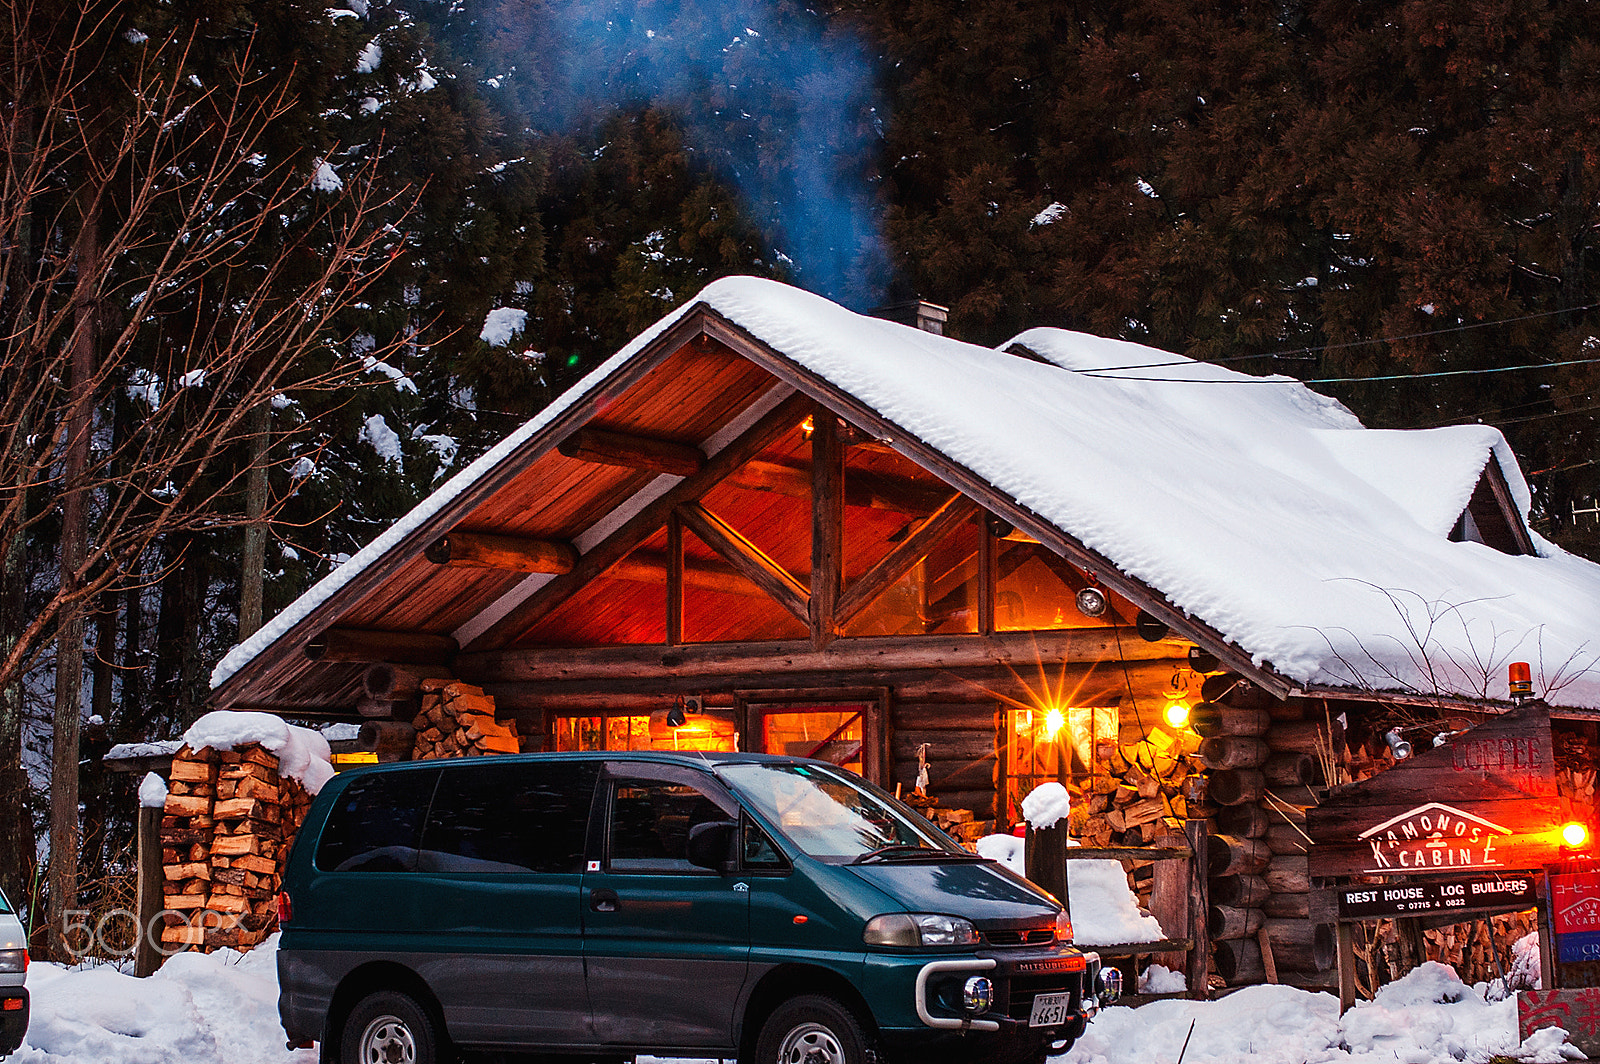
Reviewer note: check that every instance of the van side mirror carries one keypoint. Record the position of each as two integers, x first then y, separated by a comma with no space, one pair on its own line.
711,844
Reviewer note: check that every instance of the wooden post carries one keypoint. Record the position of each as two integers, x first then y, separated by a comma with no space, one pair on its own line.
1549,975
674,580
149,901
827,526
1169,898
1044,858
1199,967
1347,968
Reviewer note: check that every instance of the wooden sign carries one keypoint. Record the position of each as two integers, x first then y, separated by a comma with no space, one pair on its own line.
1460,894
1575,914
1484,802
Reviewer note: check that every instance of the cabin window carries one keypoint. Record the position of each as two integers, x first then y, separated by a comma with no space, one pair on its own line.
936,596
1033,589
1063,745
829,733
706,730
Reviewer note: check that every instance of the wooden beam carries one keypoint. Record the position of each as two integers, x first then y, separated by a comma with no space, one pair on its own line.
1032,654
650,567
751,562
374,645
606,447
876,491
965,684
784,417
827,526
674,579
892,566
518,554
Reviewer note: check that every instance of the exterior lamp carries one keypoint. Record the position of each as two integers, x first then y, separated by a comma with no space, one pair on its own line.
1521,680
675,715
1091,601
1397,746
1575,835
1054,721
1177,714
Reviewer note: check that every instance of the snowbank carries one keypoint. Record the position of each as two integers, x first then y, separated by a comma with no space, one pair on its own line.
1104,911
1428,1017
302,754
198,1009
221,1008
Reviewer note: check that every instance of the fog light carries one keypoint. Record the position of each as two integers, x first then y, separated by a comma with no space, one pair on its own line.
977,994
1110,985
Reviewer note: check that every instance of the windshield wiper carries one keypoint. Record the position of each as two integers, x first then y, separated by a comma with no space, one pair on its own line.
900,851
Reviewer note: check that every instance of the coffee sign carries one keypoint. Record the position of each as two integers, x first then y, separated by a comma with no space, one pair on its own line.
1484,802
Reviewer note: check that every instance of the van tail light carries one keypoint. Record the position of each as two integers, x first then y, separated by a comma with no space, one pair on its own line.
285,908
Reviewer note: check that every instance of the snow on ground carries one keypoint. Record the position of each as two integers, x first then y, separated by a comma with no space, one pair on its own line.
222,1009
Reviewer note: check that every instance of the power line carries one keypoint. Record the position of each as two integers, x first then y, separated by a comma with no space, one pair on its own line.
1109,374
1287,352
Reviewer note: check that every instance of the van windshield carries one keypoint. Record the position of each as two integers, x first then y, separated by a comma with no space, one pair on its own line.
831,816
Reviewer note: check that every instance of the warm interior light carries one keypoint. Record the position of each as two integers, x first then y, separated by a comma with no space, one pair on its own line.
1023,720
1177,714
807,427
1054,721
1574,834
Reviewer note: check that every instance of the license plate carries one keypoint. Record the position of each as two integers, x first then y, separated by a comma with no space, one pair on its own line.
1049,1010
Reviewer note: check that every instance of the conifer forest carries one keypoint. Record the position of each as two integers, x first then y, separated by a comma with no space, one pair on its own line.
275,269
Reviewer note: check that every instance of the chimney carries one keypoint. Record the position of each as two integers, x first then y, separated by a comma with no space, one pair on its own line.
918,313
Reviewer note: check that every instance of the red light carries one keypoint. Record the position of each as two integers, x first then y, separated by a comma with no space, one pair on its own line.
13,1005
1521,679
285,907
801,919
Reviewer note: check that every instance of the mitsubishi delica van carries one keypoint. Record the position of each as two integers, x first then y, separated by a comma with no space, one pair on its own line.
769,909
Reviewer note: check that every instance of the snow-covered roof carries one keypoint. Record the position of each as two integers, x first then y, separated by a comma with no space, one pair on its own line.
1257,507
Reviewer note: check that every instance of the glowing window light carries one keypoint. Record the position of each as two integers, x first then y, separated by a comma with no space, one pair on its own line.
1054,721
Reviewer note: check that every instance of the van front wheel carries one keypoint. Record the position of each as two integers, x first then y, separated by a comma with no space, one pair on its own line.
811,1030
388,1027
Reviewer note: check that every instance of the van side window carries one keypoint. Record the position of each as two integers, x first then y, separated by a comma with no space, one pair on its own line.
759,852
649,824
376,824
513,818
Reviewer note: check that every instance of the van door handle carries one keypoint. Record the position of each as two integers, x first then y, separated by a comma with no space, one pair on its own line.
603,900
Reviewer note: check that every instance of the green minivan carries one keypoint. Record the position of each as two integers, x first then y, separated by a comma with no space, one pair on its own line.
770,909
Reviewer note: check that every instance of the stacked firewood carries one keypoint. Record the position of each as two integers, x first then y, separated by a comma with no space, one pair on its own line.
457,720
227,823
1133,787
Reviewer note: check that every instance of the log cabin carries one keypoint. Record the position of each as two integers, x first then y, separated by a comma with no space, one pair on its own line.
769,523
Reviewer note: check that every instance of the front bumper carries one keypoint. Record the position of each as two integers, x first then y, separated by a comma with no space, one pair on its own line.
14,1007
921,995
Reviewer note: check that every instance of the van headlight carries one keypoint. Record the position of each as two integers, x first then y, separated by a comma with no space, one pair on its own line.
1063,927
913,930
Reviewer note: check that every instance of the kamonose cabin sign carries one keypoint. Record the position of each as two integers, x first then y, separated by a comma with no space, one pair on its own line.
1484,801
